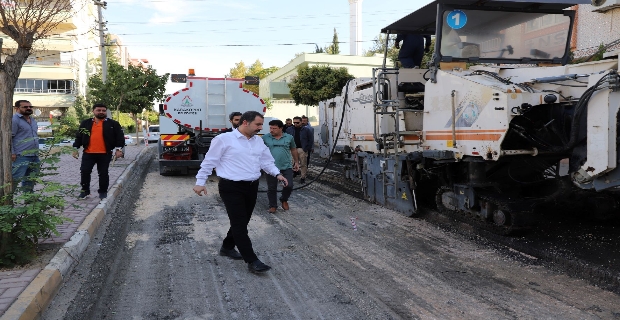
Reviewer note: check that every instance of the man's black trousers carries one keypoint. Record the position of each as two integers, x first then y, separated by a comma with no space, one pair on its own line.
239,198
89,160
272,188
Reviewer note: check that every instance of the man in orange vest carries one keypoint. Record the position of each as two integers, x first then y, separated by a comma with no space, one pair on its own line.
100,137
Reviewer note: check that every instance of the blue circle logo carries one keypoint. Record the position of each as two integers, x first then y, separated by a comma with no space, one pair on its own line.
456,19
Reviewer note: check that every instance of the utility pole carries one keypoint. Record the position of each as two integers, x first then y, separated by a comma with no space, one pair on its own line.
104,62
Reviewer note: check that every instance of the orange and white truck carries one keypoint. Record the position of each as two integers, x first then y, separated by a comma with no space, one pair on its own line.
191,117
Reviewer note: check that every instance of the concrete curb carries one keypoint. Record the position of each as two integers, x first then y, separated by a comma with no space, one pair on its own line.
31,303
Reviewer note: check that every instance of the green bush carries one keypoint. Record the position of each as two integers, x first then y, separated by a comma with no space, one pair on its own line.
27,217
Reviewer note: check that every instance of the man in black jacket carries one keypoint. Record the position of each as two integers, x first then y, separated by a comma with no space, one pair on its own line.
304,142
234,118
100,136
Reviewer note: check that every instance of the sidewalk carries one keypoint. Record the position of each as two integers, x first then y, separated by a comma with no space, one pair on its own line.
13,283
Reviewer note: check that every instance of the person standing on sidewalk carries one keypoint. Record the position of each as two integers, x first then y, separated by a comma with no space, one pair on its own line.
24,146
305,123
238,157
100,136
303,141
284,151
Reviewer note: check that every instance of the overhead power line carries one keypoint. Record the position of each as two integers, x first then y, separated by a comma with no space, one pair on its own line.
275,18
232,45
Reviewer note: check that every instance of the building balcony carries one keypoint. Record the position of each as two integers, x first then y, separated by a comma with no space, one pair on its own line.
57,43
46,100
43,69
55,91
66,25
53,43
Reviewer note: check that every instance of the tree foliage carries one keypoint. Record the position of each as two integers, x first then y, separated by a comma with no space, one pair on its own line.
128,90
24,22
333,48
257,70
378,48
317,83
151,116
27,217
70,122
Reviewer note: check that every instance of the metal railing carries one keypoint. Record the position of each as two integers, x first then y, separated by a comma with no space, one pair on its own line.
66,63
57,91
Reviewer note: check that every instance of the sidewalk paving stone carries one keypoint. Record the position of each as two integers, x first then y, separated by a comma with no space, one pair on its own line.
13,282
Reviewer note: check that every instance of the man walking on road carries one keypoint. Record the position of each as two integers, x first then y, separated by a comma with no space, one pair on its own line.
303,141
283,149
288,123
99,136
238,157
24,146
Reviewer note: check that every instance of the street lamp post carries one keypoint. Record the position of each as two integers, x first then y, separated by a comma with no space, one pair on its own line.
104,61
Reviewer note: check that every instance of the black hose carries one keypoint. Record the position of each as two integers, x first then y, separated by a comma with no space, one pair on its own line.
576,122
344,105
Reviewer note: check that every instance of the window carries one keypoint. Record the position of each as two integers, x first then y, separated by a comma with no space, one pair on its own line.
44,86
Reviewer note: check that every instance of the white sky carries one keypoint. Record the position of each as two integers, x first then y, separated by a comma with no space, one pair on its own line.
210,36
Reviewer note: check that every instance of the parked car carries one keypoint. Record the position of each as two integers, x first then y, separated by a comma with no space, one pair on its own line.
43,145
66,143
153,134
128,140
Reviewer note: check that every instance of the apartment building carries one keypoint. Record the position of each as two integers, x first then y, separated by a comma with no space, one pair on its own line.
60,65
595,26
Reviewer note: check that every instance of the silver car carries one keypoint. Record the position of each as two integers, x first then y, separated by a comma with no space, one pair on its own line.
153,134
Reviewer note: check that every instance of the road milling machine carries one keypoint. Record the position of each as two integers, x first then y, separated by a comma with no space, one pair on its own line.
498,127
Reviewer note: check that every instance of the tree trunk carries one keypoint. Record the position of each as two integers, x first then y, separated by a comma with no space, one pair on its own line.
6,114
9,73
135,119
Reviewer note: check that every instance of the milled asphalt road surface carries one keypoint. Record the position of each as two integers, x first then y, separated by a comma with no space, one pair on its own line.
156,258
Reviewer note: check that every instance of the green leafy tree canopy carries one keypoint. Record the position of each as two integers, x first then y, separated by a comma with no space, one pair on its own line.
378,47
334,48
256,69
317,83
128,90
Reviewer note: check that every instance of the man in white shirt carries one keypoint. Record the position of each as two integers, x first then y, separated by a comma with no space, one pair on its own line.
238,157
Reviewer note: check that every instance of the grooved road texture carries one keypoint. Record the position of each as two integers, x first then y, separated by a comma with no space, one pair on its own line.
14,282
161,261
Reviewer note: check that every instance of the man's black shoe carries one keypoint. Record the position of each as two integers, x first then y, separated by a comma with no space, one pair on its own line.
103,195
258,267
83,195
232,253
302,181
